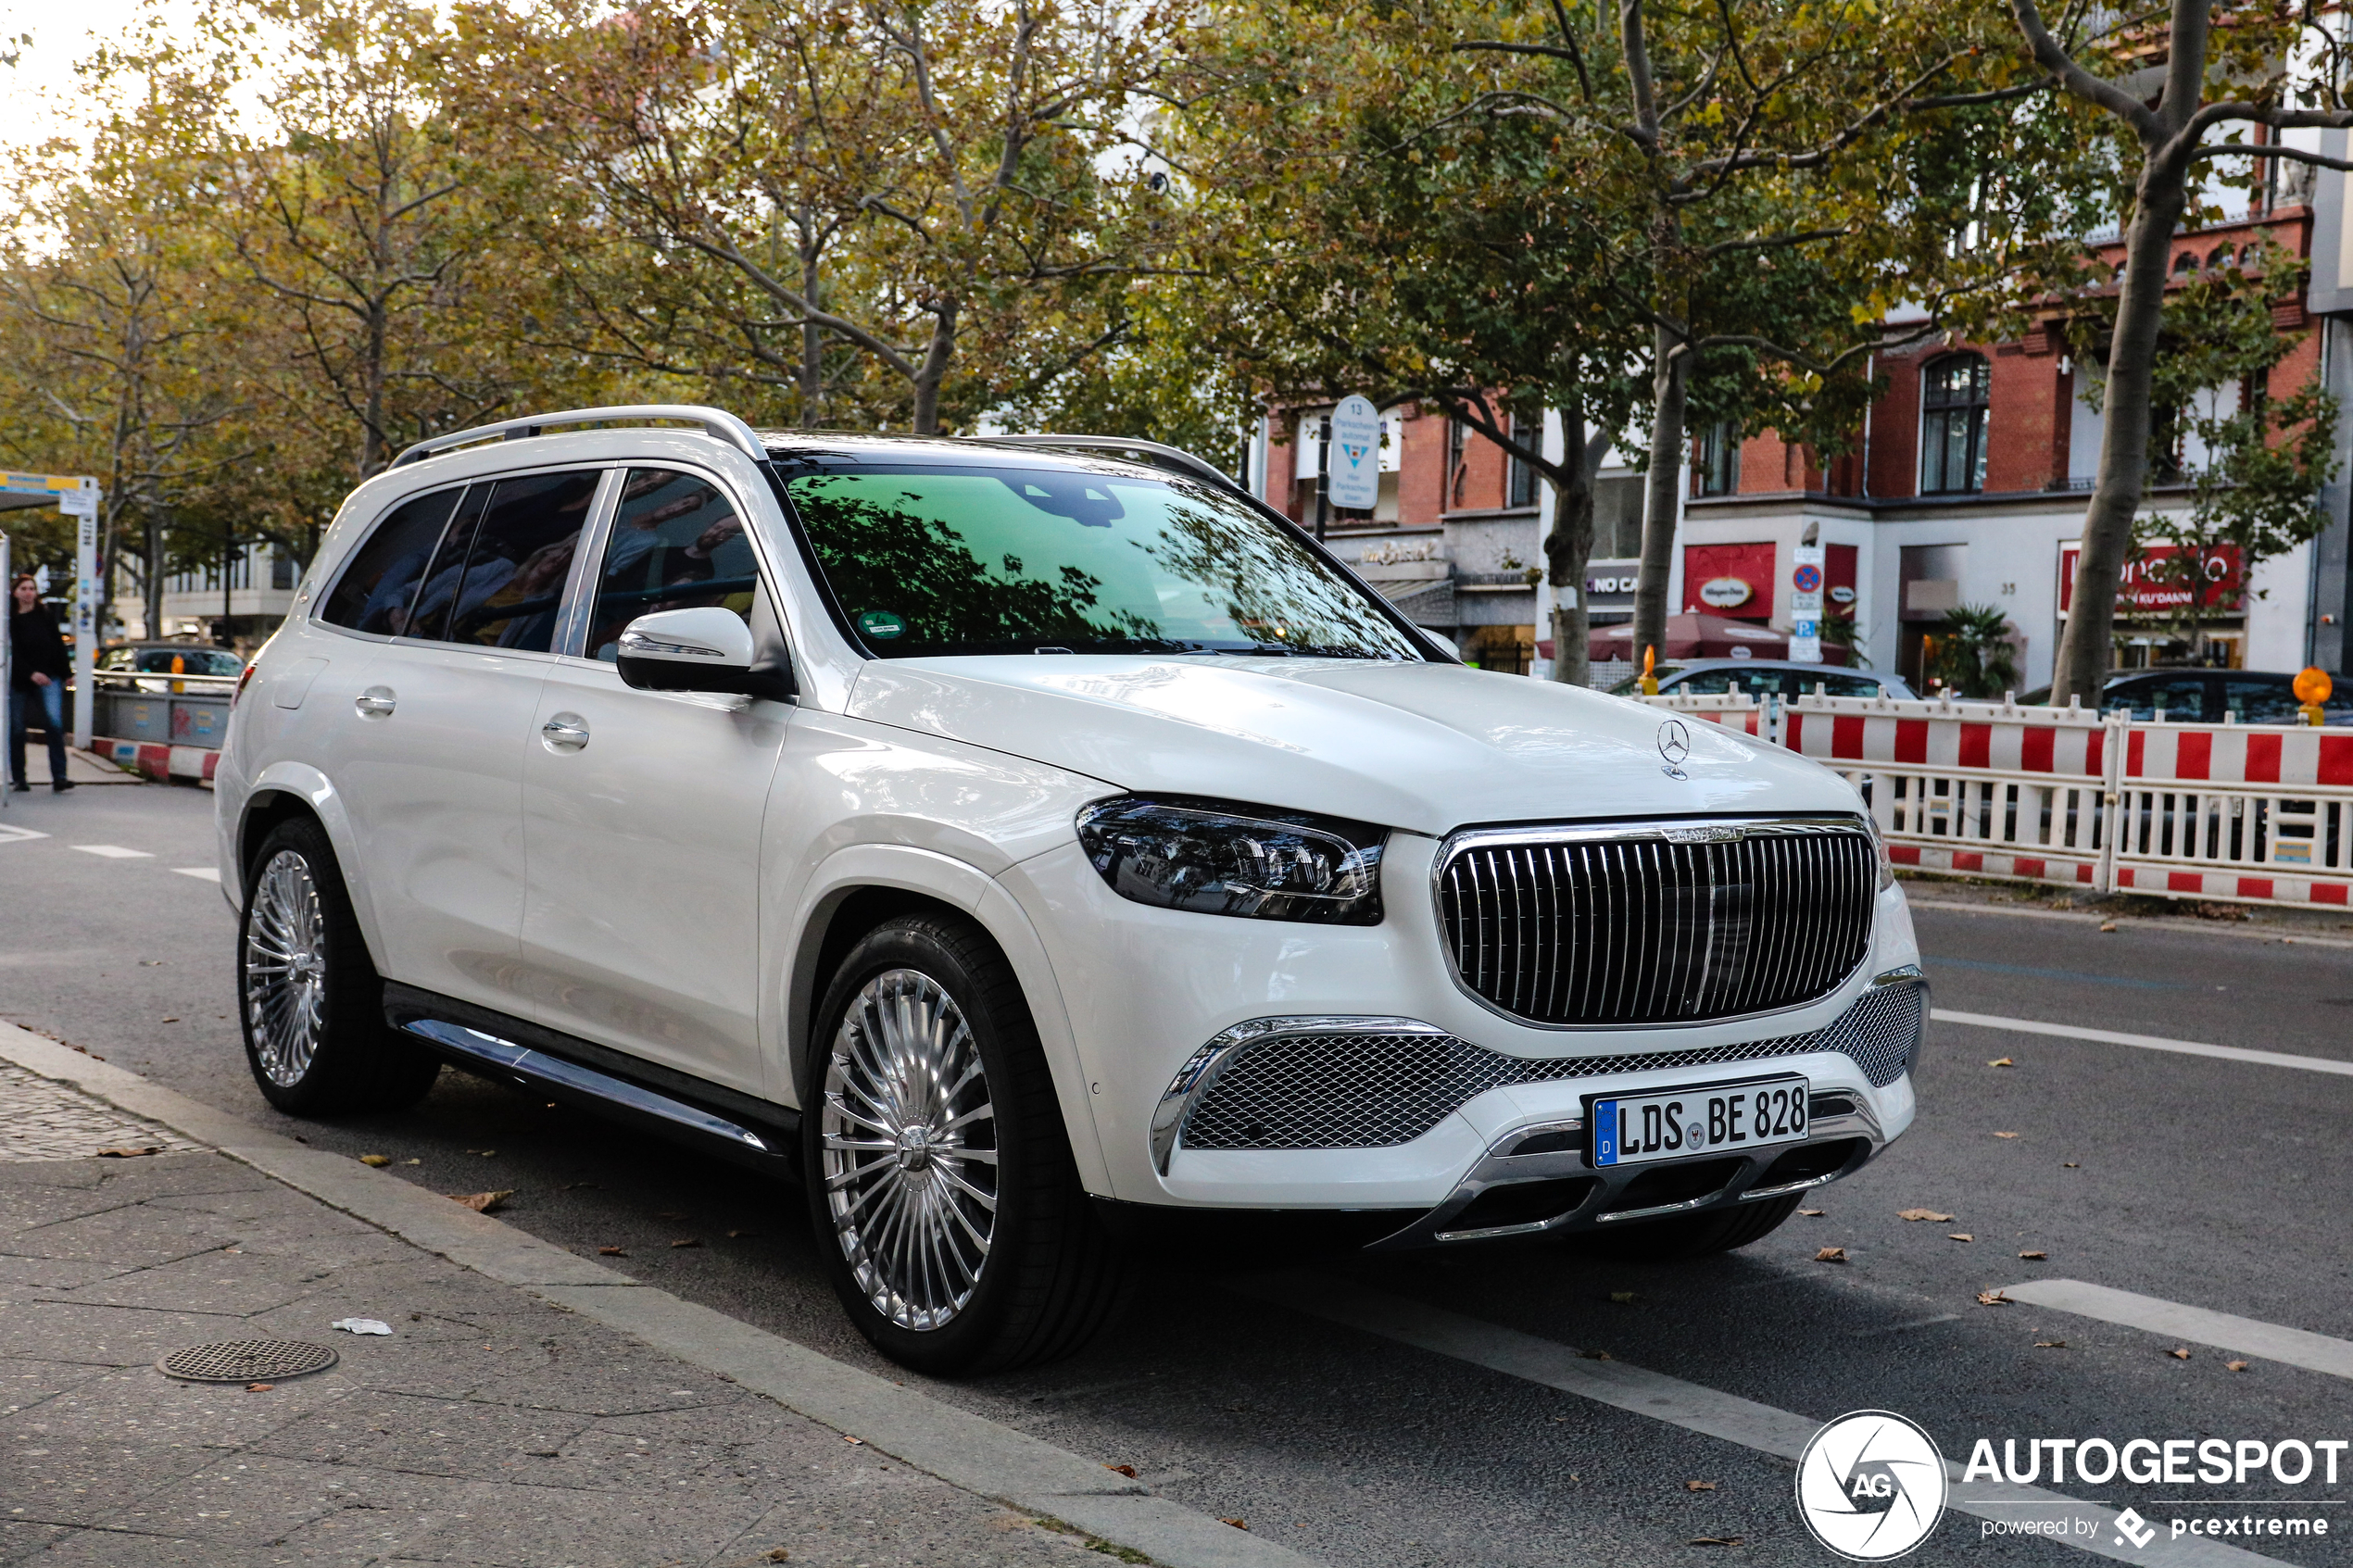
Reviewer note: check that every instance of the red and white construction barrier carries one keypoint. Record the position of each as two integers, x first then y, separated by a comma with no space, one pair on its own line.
158,761
2249,813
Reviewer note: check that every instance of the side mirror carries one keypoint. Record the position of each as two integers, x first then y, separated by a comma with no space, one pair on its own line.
705,649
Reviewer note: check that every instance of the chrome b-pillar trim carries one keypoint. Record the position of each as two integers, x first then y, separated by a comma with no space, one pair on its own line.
1201,1072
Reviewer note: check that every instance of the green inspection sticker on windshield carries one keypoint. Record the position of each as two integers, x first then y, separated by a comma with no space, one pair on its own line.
881,624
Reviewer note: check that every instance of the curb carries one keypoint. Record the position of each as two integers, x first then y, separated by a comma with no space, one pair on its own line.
963,1450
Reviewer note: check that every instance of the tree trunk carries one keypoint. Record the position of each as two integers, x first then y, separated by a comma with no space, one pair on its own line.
1662,494
2084,653
154,572
1569,548
934,369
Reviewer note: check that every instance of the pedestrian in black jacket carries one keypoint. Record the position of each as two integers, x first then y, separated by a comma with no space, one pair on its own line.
37,671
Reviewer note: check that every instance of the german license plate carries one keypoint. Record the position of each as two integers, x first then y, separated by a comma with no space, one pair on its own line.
1678,1123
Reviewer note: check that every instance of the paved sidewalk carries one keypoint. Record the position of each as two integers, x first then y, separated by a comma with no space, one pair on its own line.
490,1427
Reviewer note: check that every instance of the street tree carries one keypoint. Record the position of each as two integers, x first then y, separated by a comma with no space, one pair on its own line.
2179,93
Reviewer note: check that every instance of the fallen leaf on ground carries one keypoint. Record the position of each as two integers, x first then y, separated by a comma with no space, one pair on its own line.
1960,1235
688,1241
1699,1486
1992,1298
482,1202
2107,925
779,1555
1830,1255
2071,1164
172,1020
2037,1257
611,1252
1715,1540
2006,1135
1811,1213
2001,1062
260,1388
1621,1296
1596,1355
1924,1214
2178,1353
1237,1523
2050,1344
412,1162
1127,1470
2235,1366
130,1153
376,1159
743,1233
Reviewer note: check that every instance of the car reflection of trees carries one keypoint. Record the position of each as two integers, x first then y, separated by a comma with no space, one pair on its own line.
1275,591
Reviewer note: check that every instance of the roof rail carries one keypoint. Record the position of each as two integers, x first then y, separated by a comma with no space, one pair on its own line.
1154,453
718,421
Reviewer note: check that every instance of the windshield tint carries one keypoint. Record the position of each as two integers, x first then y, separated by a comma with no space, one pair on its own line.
1024,560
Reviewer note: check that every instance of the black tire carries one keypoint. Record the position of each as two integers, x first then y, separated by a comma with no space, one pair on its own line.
1681,1238
308,997
1029,1280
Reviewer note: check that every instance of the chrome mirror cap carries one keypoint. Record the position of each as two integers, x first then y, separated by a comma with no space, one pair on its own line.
707,648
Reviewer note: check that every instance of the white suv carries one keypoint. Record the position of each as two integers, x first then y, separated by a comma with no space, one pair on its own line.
1032,845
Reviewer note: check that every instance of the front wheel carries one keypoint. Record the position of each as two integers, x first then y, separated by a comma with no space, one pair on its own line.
940,1182
310,1001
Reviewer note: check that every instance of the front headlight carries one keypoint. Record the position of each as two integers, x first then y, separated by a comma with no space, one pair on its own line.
1879,848
1225,858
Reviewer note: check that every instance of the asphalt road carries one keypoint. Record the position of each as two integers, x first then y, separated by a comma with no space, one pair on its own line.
2211,1183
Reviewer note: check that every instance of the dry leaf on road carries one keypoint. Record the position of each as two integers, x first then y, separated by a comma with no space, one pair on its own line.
482,1202
378,1160
1237,1523
611,1252
1811,1213
2037,1257
2178,1353
1924,1214
1715,1540
2050,1344
688,1241
1127,1470
2107,925
130,1153
1596,1355
2001,1062
1699,1486
1992,1298
260,1388
1621,1296
2071,1164
2235,1366
1830,1255
1960,1235
2006,1135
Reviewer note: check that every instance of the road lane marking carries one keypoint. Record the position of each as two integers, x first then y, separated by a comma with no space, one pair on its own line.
2143,1042
114,852
8,834
2077,976
1690,1406
202,873
2289,1346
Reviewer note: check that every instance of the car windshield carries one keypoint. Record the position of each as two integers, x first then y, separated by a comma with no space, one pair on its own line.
961,560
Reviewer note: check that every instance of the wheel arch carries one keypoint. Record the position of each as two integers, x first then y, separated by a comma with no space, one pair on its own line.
861,886
286,790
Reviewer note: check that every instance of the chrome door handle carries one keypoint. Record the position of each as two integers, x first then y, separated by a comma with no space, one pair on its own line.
376,702
565,732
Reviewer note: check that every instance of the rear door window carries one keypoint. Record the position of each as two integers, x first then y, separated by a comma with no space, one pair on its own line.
375,591
677,544
2181,696
2261,701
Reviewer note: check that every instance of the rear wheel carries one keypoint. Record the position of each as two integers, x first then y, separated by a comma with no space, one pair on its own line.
1681,1237
310,1002
940,1181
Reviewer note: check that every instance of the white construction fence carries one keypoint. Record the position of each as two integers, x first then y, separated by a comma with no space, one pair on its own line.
2243,813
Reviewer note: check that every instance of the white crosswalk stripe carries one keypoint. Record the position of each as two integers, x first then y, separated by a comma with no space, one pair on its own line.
114,852
2142,1042
1696,1408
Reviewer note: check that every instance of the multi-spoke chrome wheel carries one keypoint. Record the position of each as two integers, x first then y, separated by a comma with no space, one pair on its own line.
285,968
909,1149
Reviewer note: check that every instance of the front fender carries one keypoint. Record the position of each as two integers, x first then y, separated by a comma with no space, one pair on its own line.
313,787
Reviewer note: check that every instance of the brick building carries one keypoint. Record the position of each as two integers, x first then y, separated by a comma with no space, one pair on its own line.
1966,485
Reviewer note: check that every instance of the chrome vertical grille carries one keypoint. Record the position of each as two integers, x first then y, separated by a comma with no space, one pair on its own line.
1659,923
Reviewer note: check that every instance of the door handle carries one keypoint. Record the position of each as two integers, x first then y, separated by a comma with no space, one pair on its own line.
565,732
376,702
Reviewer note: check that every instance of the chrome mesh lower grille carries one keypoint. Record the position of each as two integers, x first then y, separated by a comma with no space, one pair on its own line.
1374,1091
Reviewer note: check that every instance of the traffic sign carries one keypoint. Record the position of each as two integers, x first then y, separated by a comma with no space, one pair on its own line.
1355,456
1805,605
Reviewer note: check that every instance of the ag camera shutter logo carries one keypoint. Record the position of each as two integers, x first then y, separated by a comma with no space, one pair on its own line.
1870,1485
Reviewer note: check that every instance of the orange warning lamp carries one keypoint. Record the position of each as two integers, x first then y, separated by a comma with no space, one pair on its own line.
1650,680
2312,688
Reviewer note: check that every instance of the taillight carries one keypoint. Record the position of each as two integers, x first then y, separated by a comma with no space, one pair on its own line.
242,681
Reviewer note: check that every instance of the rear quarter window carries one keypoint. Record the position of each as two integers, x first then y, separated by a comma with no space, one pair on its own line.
372,593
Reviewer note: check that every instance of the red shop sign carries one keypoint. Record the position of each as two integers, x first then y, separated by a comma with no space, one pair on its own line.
2141,593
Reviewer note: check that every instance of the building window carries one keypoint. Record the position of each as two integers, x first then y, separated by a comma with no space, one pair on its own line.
1457,446
1716,461
1527,429
1952,398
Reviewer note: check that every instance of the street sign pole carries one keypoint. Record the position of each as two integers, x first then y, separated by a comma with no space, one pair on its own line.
1323,474
82,506
1805,604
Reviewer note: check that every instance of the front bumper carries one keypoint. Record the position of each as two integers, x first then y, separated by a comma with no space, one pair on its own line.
1185,980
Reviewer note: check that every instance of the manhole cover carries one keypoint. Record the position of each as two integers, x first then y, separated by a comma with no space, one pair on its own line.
246,1360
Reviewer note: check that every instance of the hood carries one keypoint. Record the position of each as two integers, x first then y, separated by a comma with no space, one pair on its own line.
1427,748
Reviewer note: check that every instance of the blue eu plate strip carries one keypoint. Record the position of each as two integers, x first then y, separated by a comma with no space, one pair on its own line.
1605,1131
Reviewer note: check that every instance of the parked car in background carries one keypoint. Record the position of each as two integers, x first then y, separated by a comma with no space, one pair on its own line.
1761,678
2207,697
161,666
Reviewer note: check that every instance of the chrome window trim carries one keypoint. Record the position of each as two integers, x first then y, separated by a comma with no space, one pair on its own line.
1201,1072
1669,830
